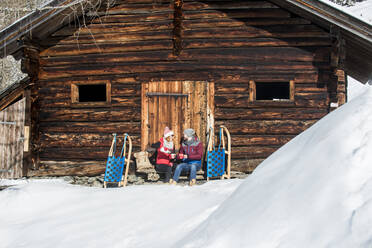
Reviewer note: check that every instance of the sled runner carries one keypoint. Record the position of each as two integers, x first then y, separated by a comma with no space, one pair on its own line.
115,164
218,165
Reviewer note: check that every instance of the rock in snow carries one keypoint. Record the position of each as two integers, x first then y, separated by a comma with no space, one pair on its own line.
316,191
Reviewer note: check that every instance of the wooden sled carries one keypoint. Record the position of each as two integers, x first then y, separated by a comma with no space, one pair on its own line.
114,172
219,160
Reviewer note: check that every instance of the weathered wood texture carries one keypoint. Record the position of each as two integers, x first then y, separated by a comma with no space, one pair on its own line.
12,120
227,43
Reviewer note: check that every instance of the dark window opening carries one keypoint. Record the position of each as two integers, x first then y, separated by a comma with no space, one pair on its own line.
92,93
272,91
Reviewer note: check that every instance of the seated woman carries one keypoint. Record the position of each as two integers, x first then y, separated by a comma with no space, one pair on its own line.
165,154
191,153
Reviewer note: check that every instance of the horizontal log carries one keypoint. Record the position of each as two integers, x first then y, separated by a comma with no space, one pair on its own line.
100,114
253,140
116,101
58,49
226,77
81,140
211,5
242,101
64,91
245,165
252,152
290,32
209,23
233,14
109,69
255,42
238,88
269,113
266,127
260,54
91,127
117,37
139,18
121,80
137,56
106,28
69,168
83,153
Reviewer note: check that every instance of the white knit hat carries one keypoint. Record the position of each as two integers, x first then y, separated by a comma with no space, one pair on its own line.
167,132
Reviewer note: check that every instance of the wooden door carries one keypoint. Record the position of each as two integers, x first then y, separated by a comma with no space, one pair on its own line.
12,121
178,105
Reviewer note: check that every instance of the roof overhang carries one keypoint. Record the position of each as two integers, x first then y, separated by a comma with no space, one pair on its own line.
38,25
356,33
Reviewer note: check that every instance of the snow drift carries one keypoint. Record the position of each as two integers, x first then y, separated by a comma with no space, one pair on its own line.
52,213
316,191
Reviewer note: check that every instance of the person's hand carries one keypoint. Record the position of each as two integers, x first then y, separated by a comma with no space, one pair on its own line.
173,156
185,156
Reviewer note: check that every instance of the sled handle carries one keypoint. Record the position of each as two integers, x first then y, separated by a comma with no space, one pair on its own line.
210,140
228,150
113,146
125,179
123,149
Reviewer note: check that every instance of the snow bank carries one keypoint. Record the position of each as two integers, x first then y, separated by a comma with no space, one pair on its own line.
316,191
354,88
52,213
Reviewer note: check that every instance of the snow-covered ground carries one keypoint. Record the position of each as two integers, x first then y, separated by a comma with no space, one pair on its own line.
361,10
316,191
52,213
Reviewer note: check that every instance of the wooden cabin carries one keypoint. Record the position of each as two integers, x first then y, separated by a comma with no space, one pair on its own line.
267,70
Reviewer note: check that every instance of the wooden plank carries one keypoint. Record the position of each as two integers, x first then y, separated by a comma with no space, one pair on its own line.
11,146
80,48
83,153
260,140
245,165
92,115
144,116
264,54
250,13
70,168
252,152
92,127
145,67
269,113
66,139
266,126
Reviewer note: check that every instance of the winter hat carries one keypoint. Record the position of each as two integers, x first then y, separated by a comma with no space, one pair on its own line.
167,132
189,132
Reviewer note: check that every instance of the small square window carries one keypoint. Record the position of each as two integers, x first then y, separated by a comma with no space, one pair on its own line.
96,93
271,91
92,93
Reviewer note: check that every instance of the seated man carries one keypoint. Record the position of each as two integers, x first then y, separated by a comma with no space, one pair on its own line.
191,153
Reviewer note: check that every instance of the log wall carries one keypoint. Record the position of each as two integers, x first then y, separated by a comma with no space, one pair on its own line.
226,42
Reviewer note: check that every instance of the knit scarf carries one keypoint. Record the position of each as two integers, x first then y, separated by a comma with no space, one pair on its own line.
193,142
168,144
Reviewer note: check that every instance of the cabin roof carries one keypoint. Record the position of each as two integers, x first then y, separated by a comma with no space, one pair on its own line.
357,34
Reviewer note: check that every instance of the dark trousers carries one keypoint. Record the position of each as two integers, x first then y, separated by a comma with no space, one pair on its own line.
166,169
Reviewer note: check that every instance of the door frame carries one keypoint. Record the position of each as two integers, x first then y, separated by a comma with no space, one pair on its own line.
145,108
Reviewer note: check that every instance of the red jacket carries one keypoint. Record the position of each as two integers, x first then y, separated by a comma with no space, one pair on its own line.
193,152
164,154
